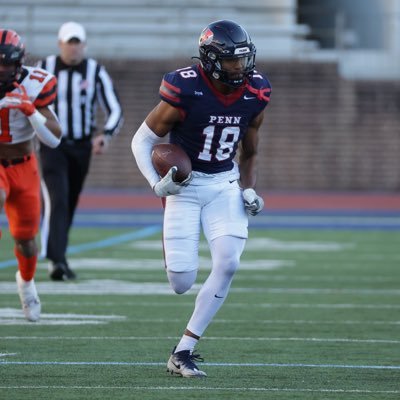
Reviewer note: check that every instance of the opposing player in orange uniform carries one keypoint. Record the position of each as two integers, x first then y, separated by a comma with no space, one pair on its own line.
25,94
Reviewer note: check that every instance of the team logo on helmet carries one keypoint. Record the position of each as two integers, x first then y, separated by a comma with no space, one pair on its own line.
206,37
242,50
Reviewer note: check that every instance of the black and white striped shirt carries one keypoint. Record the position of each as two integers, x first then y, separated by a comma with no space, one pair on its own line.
79,91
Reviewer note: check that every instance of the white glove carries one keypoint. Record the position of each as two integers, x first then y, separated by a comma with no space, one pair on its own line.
167,186
253,203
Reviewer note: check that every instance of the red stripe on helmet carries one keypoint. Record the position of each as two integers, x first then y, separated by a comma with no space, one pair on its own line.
3,34
9,37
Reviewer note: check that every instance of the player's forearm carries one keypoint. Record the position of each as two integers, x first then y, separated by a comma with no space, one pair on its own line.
248,172
54,127
141,145
46,129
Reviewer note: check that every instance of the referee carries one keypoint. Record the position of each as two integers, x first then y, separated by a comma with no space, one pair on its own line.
83,84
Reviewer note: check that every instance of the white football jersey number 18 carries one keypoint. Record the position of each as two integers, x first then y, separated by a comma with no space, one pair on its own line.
225,147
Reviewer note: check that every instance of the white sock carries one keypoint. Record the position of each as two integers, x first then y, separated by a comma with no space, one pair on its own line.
186,343
226,251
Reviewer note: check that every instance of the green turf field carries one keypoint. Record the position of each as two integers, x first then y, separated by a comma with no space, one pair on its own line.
312,314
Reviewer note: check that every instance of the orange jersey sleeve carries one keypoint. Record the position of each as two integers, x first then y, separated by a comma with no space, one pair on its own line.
47,94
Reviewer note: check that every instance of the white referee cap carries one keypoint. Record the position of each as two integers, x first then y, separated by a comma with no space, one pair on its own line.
71,30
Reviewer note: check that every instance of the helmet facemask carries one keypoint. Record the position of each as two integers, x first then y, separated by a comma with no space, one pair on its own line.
234,78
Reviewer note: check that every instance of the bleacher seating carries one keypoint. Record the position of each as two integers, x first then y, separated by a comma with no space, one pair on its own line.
156,28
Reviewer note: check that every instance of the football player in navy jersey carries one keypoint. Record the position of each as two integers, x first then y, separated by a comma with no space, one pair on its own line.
210,110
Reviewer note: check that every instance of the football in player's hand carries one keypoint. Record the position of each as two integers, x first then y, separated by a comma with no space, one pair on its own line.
166,155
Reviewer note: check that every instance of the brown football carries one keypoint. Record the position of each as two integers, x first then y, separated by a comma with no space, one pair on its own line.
166,155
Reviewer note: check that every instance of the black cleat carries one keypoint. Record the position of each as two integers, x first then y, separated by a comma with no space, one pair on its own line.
182,363
61,272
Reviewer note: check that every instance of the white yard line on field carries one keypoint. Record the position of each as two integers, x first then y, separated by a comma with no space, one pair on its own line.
14,316
151,364
297,322
327,306
153,338
121,287
74,320
109,303
318,291
207,388
157,264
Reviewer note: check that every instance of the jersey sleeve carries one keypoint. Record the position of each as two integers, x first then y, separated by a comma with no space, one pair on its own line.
261,88
48,93
170,90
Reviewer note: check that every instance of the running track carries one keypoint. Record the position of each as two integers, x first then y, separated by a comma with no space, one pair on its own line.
316,210
316,201
298,210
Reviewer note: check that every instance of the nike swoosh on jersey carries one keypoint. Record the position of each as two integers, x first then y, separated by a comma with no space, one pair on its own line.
218,297
248,98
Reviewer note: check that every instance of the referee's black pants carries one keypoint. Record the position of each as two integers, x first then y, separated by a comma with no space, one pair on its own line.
64,170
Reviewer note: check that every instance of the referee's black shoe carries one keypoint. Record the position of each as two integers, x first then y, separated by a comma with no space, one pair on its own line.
61,272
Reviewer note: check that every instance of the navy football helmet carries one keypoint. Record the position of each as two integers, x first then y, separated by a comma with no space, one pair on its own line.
12,52
226,40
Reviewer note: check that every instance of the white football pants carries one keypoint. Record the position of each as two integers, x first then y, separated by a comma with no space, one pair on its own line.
211,202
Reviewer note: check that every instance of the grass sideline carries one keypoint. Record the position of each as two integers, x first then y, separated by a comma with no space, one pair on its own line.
312,315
